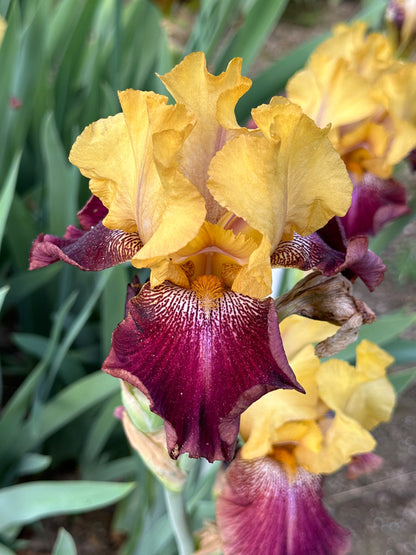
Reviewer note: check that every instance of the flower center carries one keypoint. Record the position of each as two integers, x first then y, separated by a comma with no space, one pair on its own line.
208,290
284,454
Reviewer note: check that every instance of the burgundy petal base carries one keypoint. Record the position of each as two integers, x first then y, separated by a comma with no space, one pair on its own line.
361,262
201,363
93,247
262,510
375,202
329,252
307,253
358,260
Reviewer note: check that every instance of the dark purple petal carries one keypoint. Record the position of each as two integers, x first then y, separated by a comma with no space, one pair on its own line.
263,510
362,263
329,251
358,260
92,214
375,202
93,247
333,234
96,249
201,365
363,464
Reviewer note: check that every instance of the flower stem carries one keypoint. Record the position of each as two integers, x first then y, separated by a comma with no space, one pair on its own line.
178,517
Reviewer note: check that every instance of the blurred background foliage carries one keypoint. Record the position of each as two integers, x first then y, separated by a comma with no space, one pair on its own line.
62,62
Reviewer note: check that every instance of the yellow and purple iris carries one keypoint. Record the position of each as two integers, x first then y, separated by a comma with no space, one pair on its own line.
354,83
271,501
204,203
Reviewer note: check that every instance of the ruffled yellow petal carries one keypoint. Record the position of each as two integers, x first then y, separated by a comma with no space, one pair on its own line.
345,40
166,200
368,55
103,153
343,437
131,160
244,177
372,361
212,100
255,278
216,251
316,184
363,393
298,331
241,179
261,422
399,88
372,403
337,381
330,92
265,180
404,140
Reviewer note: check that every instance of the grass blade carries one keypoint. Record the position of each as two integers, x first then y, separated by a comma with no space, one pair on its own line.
212,20
3,292
64,544
67,405
74,330
24,284
61,179
6,195
250,38
32,501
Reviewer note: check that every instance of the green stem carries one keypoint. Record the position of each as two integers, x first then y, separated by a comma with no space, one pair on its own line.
177,514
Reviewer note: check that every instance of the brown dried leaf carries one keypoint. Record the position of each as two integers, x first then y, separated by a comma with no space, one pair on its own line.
328,299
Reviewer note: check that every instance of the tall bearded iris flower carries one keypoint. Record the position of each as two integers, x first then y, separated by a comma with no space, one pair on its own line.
185,191
271,501
354,82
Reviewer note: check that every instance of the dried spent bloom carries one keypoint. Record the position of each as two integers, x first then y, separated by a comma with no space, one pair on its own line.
185,191
328,299
275,484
